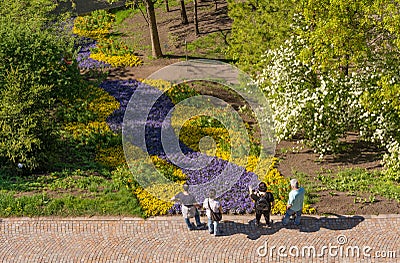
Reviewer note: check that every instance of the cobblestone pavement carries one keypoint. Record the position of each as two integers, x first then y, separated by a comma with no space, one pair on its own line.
166,239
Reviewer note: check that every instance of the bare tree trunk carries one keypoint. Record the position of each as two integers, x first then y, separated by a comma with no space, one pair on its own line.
166,5
183,13
155,40
195,19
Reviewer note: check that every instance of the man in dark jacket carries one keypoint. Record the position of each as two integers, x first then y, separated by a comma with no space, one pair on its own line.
264,201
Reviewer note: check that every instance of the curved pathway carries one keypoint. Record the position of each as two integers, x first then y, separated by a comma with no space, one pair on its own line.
166,239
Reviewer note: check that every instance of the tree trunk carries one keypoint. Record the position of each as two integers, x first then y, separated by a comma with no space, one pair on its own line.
183,13
166,5
196,21
155,40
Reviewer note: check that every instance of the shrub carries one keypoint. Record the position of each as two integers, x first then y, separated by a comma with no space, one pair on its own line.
34,78
25,128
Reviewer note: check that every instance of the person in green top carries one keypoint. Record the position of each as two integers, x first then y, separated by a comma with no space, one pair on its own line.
295,203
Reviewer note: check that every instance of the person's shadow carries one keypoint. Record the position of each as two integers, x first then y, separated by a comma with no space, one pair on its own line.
308,224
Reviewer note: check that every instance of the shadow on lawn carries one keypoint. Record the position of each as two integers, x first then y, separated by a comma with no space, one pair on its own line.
308,224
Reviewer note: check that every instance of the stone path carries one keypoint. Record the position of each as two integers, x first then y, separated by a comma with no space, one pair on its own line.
166,239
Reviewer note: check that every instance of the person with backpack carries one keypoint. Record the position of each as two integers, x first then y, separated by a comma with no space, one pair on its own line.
213,212
264,201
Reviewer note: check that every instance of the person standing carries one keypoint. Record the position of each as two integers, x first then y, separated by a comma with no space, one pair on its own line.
295,203
264,201
209,204
189,207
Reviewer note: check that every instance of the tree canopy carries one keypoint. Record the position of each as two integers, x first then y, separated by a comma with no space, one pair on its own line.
328,67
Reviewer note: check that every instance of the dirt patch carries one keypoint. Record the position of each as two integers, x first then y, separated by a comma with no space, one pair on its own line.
333,202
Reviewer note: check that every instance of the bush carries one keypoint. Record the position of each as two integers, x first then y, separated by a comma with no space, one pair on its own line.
25,129
34,78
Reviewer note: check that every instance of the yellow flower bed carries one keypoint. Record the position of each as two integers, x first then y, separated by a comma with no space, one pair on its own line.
152,205
169,170
276,183
118,61
307,209
111,156
102,103
95,34
98,103
279,207
154,200
160,84
85,132
96,26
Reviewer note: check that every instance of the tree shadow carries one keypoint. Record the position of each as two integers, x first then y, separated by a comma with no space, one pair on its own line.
189,57
308,224
356,152
340,222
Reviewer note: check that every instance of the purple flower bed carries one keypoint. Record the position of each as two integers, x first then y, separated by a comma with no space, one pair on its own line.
122,91
235,198
84,61
232,184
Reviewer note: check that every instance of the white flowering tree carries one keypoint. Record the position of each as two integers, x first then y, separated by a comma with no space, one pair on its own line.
333,76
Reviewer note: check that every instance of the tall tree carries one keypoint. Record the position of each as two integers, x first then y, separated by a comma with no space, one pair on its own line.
184,17
195,18
155,40
153,29
338,32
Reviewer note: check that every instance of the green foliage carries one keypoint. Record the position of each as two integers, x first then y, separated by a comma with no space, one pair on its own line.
33,78
89,193
212,46
338,73
338,33
41,95
383,102
121,15
112,203
24,124
257,26
180,92
359,181
34,12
